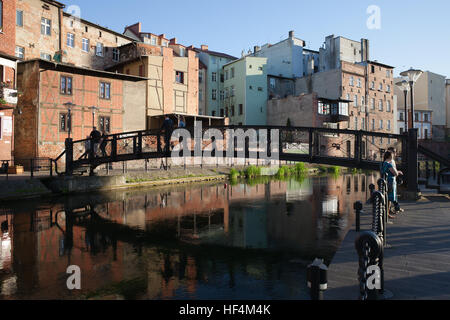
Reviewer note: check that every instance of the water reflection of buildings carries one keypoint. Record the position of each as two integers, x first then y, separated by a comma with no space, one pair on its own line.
293,216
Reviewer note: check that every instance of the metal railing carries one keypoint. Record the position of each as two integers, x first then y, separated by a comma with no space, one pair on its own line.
33,166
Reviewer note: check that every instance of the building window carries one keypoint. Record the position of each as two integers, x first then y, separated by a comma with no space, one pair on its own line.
213,113
232,110
99,50
214,94
63,122
104,124
388,106
358,83
363,124
324,108
66,85
372,85
356,123
227,93
214,77
380,105
380,87
362,101
373,124
401,118
426,117
85,45
352,81
20,52
232,91
153,42
200,95
381,124
70,40
226,75
388,88
179,77
46,26
116,54
272,83
200,77
105,90
372,69
46,56
241,109
416,117
232,73
222,95
388,73
260,89
389,125
19,18
182,52
356,100
372,103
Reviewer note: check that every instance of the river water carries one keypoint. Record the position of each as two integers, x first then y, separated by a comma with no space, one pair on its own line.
207,241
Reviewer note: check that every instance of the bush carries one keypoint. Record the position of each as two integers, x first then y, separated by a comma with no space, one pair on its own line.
234,174
300,168
252,172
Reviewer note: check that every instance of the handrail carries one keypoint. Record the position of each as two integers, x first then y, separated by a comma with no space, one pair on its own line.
259,127
433,155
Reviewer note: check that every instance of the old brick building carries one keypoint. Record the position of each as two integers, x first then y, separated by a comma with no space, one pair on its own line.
45,31
172,85
8,92
42,123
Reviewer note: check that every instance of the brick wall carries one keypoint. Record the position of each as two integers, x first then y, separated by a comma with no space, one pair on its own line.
8,31
39,132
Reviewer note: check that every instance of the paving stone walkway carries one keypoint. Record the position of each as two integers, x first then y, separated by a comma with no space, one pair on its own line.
417,266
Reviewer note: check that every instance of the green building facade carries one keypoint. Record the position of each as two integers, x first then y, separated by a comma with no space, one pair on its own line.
245,91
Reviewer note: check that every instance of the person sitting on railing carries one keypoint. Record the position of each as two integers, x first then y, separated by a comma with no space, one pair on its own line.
95,136
387,169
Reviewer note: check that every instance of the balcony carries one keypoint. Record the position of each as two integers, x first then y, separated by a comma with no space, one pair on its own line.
8,95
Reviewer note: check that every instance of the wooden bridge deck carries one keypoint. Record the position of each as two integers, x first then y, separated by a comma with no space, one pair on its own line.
418,264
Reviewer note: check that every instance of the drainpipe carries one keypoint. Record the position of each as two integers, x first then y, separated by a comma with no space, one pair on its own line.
60,25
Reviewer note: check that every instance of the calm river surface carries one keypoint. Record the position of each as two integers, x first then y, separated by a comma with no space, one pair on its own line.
209,241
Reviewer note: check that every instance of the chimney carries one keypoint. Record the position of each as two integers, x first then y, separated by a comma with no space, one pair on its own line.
204,47
365,53
291,34
256,49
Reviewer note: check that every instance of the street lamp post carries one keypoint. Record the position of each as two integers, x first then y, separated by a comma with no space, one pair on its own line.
69,106
404,86
94,109
413,75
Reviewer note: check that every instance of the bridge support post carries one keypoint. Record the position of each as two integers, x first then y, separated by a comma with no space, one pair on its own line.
69,156
413,183
358,147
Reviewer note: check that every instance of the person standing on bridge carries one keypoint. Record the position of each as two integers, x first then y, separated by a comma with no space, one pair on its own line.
95,136
167,127
389,171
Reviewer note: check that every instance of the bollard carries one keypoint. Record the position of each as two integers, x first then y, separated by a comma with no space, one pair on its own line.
358,206
317,277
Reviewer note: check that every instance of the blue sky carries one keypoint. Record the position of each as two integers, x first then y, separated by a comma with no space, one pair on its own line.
411,35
